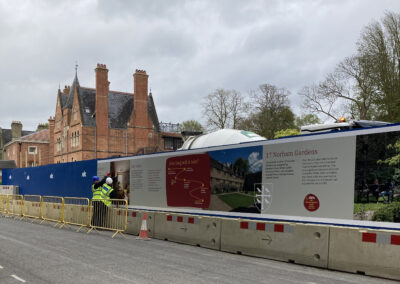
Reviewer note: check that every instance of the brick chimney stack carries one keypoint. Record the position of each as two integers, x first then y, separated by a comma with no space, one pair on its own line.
16,129
102,88
140,81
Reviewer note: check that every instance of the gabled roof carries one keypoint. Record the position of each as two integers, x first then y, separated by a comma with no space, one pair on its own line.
120,106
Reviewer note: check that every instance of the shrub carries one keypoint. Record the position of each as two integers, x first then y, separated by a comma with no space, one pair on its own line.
389,213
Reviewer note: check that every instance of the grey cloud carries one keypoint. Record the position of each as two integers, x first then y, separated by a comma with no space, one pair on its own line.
189,48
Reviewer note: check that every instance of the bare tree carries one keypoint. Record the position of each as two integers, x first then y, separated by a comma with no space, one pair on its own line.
270,111
347,90
224,109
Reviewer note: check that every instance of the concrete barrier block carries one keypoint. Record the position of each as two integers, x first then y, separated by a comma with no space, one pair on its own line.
188,229
290,242
370,252
134,222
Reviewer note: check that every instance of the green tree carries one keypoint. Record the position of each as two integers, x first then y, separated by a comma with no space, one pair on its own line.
380,45
191,126
241,166
365,85
42,126
306,119
286,132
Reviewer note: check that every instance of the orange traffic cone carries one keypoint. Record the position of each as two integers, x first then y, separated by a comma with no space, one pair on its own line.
143,235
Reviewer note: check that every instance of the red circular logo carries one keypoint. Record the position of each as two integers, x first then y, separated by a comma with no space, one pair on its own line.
311,202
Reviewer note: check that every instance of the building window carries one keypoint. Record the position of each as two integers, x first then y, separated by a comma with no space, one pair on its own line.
75,139
58,144
32,150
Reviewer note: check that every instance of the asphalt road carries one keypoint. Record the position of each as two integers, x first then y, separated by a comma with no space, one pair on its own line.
33,253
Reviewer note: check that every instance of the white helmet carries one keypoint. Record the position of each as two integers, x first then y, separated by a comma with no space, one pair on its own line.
109,180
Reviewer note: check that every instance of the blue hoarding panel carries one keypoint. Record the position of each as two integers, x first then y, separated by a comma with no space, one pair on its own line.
66,179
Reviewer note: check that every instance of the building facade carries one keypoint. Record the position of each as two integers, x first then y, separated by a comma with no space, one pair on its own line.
30,150
7,135
96,123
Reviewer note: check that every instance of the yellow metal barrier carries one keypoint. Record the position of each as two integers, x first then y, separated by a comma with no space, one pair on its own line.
32,207
113,217
3,204
15,205
52,209
76,211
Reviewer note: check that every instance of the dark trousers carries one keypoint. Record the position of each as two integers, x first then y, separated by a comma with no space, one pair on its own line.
99,217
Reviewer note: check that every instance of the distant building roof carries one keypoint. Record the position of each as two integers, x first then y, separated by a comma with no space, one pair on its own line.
120,106
171,134
42,136
7,135
7,164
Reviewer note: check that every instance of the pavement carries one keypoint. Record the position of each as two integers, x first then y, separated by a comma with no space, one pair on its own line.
33,253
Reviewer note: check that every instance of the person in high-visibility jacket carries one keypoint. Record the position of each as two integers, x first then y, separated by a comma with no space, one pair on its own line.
106,190
101,200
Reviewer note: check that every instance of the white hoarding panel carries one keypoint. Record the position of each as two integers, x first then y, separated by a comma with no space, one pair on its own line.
147,179
310,178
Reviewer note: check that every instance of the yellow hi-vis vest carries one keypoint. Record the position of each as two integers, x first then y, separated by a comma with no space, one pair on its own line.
106,190
97,193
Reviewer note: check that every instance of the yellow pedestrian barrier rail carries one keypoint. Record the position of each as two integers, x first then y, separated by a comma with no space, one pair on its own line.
69,211
53,209
76,212
15,205
3,204
32,207
113,217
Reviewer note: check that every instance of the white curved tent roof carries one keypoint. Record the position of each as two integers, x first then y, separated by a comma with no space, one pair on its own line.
221,137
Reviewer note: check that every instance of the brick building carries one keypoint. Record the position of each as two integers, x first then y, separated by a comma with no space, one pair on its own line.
6,135
29,150
92,123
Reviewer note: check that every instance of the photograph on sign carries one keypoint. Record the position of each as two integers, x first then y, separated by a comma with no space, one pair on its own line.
233,174
377,194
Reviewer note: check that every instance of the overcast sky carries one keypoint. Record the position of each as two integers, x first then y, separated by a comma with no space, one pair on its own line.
189,48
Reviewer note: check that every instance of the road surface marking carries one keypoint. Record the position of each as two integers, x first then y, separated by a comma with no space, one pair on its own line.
19,279
1,267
